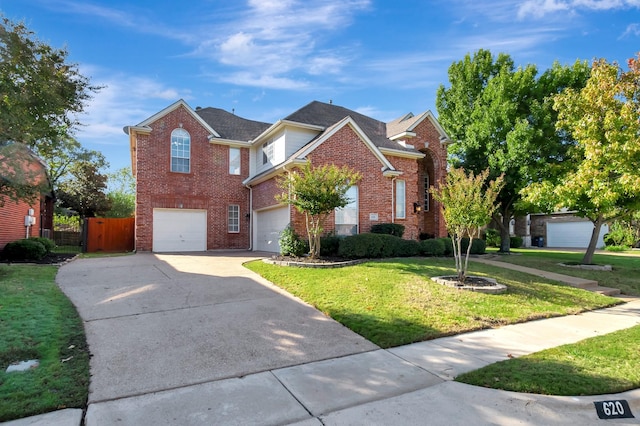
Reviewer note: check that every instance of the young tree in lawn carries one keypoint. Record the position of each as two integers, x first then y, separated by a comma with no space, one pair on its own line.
468,203
41,93
601,180
316,192
501,118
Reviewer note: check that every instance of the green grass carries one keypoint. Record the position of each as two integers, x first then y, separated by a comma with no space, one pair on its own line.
595,366
393,302
37,321
625,275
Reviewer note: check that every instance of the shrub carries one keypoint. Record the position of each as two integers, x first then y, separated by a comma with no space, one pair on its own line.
291,244
616,248
388,228
620,235
478,246
408,248
373,245
432,247
25,249
329,245
448,246
48,244
492,237
515,242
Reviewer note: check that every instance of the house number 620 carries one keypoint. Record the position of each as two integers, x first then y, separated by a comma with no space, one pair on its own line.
613,408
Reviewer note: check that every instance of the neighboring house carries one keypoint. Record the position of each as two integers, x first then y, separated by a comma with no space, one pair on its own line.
557,230
206,178
13,214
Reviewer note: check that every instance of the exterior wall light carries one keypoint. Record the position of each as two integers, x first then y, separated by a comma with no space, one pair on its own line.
417,208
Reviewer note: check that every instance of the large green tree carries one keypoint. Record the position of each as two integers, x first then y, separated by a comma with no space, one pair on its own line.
601,178
316,192
84,190
121,187
501,118
41,94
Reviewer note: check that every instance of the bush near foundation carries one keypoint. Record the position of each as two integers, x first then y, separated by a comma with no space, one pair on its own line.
26,249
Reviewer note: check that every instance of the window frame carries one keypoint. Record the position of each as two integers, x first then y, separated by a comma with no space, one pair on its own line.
268,152
355,207
426,193
400,205
179,152
233,219
232,170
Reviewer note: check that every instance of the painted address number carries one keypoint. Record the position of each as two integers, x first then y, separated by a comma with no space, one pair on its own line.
613,409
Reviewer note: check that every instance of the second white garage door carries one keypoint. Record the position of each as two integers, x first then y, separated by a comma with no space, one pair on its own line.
269,225
178,230
573,234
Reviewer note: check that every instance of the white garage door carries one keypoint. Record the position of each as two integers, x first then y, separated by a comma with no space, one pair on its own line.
572,234
269,225
179,230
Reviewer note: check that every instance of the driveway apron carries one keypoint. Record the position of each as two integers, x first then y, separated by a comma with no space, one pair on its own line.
165,321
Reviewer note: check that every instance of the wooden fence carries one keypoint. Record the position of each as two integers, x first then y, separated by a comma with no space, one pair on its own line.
109,234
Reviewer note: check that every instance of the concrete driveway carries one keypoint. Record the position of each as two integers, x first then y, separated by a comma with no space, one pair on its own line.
165,321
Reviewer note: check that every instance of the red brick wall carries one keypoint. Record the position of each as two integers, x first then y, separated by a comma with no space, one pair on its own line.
264,194
12,220
374,190
427,140
208,186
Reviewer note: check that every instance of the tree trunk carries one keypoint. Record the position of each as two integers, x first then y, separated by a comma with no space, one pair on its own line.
505,237
588,256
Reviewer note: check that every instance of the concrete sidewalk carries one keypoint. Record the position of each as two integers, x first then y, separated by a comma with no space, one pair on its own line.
359,384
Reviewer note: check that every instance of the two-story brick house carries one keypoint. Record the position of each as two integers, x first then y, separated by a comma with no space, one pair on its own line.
206,178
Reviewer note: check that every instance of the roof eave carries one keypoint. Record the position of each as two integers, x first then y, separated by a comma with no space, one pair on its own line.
402,154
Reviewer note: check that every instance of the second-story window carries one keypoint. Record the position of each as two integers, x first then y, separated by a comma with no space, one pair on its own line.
267,152
234,161
180,151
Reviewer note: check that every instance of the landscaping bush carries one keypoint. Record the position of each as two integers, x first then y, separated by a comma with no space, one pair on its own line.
48,243
492,237
388,228
329,245
432,247
25,249
478,246
291,244
619,235
371,245
448,246
408,248
515,242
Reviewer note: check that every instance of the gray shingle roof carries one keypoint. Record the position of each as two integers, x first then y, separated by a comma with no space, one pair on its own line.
230,126
326,115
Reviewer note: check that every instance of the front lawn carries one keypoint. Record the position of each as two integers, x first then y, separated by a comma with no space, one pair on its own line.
625,275
599,365
37,321
393,302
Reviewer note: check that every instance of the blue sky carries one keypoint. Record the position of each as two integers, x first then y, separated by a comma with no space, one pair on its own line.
267,58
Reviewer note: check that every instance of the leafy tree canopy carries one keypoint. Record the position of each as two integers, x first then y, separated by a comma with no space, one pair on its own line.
84,189
501,118
601,178
316,192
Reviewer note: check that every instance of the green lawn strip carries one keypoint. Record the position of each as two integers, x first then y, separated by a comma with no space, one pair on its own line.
393,302
624,276
37,321
599,365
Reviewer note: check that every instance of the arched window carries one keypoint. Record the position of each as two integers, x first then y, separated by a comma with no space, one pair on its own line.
180,151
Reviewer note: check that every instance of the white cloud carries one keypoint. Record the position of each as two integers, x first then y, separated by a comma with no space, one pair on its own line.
633,30
540,8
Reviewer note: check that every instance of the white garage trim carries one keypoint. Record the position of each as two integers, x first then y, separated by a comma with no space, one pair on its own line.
573,234
267,228
179,230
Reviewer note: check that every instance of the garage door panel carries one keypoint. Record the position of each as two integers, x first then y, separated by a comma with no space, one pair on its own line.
573,234
269,226
178,230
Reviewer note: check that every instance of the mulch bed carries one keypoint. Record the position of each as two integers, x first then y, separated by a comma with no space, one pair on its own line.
49,259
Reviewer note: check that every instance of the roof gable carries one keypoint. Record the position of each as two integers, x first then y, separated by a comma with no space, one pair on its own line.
171,108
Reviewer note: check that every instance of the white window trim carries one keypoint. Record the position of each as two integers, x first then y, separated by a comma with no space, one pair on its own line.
401,199
268,152
230,225
426,192
357,210
181,133
233,171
